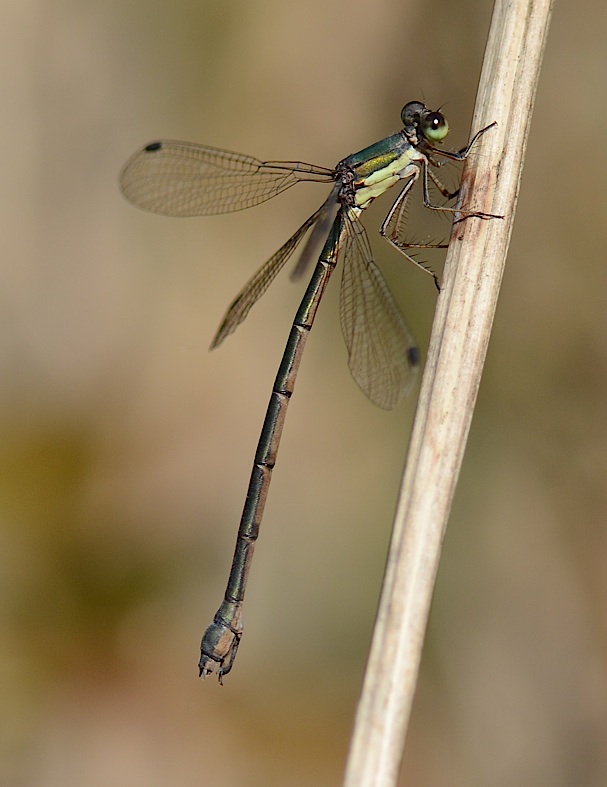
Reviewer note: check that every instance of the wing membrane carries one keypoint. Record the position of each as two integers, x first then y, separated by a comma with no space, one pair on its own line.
186,179
382,355
259,283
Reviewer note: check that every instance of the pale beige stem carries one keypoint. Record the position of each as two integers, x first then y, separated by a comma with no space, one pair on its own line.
460,335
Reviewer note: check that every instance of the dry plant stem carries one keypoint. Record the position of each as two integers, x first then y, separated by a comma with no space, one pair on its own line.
458,345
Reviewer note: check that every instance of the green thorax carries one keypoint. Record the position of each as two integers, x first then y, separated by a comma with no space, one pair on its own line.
378,167
377,156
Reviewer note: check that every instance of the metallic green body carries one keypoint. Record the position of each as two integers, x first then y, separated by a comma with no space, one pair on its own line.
186,179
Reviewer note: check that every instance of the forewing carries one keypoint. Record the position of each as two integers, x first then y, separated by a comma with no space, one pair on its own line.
186,179
382,354
396,228
318,236
399,228
256,286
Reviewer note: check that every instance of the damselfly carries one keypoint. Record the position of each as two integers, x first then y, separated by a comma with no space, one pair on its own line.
186,179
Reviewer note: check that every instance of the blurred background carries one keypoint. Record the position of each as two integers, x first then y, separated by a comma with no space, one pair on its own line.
126,447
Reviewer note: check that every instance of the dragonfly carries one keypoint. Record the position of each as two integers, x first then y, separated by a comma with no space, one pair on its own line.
186,179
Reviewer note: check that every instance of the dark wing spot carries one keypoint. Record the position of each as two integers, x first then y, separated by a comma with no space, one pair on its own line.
152,147
413,356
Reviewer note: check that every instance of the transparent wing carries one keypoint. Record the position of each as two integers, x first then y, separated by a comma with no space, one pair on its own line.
397,231
319,234
382,354
259,283
186,179
395,227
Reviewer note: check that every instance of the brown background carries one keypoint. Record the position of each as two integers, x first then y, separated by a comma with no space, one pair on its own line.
126,447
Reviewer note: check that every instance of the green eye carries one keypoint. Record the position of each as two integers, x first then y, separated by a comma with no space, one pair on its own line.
435,127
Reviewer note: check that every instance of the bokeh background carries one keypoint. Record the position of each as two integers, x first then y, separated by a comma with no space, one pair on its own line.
126,447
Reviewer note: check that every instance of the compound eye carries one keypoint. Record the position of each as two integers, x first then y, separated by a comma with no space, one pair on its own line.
435,127
412,112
